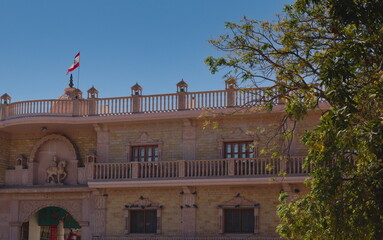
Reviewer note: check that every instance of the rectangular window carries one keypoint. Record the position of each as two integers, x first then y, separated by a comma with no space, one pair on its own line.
143,221
145,153
239,220
239,149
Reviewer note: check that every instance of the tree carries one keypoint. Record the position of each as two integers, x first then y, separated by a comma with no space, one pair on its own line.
329,50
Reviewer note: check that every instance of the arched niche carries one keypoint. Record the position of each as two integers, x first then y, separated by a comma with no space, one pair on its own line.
52,137
29,208
48,152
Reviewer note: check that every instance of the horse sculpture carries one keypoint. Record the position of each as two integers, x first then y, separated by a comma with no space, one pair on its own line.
58,171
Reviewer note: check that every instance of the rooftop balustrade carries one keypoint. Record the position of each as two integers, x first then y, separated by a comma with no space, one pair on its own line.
136,103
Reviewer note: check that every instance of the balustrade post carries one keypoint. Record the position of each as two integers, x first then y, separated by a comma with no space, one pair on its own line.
181,168
89,166
75,107
231,99
3,111
284,164
135,169
91,106
181,100
136,103
231,167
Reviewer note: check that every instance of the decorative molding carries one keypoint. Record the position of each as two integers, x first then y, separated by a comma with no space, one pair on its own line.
239,201
239,134
28,208
142,203
143,140
51,137
236,135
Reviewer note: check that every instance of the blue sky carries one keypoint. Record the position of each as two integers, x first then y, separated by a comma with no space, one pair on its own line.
155,43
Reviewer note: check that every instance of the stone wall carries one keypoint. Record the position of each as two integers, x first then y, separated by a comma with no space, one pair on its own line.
168,132
207,199
83,139
4,156
168,197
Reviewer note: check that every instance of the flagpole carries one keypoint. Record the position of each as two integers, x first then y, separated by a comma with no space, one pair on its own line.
78,75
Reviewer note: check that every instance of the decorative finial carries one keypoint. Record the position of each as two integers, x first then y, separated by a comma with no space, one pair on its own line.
71,81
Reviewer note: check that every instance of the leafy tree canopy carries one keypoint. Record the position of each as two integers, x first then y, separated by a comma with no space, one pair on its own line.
329,50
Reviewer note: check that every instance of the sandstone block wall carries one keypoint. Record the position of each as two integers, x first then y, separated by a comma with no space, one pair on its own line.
168,197
207,200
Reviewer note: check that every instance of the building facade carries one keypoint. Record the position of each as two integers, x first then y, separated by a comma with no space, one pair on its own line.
171,166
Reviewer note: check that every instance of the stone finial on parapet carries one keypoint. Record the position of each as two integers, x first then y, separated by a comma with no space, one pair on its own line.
5,99
182,86
92,92
136,90
231,82
91,157
231,85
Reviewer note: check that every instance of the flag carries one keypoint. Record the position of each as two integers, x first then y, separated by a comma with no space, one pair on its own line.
75,64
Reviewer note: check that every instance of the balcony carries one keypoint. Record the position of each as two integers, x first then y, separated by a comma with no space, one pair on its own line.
240,171
197,172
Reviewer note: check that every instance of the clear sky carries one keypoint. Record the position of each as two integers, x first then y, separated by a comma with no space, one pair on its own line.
155,43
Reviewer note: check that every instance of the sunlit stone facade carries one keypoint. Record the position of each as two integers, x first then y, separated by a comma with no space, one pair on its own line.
185,164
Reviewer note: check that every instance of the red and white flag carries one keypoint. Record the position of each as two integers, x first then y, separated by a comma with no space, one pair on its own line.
76,63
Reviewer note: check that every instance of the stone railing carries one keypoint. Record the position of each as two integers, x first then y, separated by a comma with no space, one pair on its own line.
179,237
182,169
262,167
136,103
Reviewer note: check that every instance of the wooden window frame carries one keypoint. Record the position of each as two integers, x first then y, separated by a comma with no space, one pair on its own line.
128,219
145,212
239,152
154,148
240,210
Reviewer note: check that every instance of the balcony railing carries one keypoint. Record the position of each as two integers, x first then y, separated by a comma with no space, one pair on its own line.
178,237
244,167
136,103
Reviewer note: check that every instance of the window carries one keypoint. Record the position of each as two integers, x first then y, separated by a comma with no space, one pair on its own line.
143,221
239,220
145,153
239,149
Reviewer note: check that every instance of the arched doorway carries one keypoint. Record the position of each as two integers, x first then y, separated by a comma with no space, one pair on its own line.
51,223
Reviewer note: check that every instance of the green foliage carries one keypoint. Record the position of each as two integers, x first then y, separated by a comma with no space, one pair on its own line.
323,50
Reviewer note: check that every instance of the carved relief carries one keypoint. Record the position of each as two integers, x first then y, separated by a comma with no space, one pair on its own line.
28,208
143,203
238,202
239,134
56,172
